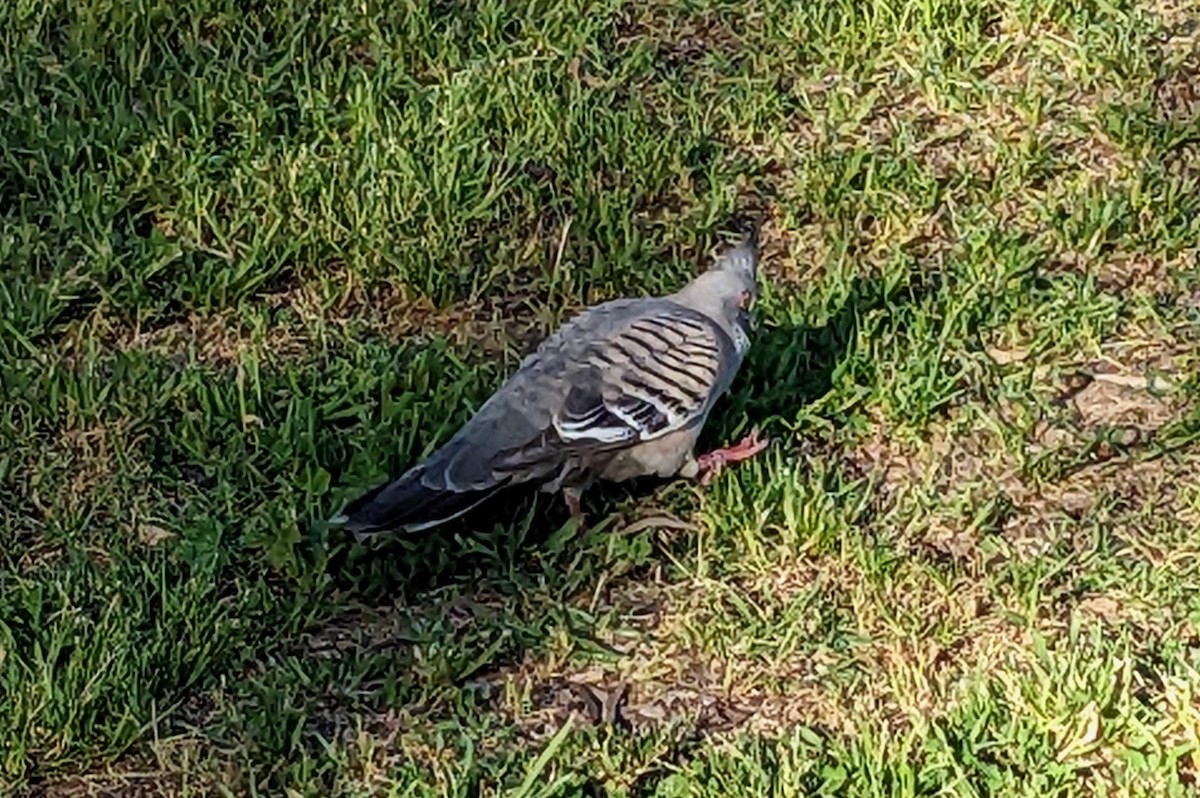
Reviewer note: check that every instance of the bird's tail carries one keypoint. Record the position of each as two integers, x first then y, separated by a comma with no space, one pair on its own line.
405,504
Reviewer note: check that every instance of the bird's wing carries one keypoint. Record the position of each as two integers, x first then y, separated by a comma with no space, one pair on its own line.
652,374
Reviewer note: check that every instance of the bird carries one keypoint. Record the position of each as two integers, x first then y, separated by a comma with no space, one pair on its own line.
620,391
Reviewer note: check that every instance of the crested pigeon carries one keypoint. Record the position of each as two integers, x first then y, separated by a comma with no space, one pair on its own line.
620,391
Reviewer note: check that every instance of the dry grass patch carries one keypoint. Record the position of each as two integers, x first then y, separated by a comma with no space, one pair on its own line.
662,674
1180,20
793,256
65,477
1177,96
674,667
88,454
931,633
968,132
177,768
969,475
135,784
988,484
1124,271
293,322
374,629
74,478
680,39
932,489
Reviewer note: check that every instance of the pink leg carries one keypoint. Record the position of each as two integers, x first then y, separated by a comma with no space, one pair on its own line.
714,462
571,497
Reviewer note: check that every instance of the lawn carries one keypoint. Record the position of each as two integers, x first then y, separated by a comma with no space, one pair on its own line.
253,261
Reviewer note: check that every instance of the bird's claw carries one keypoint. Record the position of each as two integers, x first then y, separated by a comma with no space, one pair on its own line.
714,462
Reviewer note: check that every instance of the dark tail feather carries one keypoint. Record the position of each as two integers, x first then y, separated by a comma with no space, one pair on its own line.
405,504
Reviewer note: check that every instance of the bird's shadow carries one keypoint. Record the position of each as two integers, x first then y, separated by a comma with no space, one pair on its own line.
789,366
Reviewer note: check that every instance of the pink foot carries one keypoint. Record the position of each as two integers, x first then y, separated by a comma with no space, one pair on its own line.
571,496
714,462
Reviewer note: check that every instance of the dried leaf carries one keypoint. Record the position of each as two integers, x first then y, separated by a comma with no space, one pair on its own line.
151,534
1003,357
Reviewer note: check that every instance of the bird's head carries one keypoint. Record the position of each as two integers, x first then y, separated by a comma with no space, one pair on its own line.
738,270
728,289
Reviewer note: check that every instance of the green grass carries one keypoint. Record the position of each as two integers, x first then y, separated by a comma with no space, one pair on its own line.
252,261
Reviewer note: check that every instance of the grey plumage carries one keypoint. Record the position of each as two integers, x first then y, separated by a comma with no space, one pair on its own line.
620,391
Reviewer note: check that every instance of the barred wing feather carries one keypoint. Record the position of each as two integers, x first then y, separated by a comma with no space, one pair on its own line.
655,375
